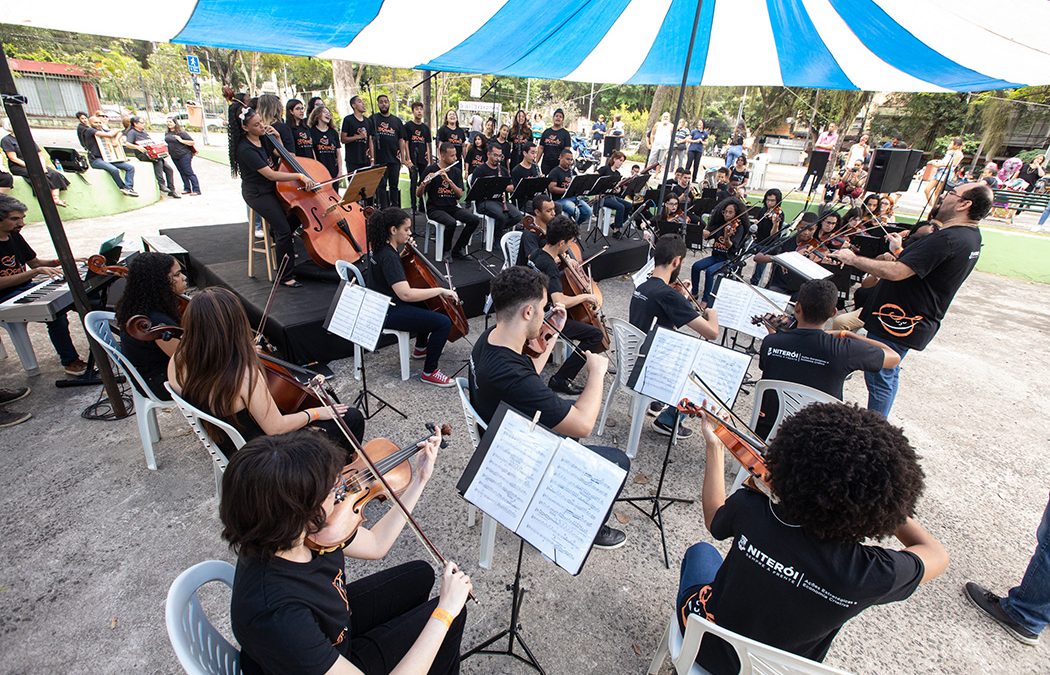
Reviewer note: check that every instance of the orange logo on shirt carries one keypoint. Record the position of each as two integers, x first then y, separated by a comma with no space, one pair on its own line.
697,604
896,321
9,266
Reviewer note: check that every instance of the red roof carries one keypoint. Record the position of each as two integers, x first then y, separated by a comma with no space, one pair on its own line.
27,66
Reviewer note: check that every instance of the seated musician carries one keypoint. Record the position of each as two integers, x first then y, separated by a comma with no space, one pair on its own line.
728,227
809,355
136,138
292,609
671,211
20,268
723,190
797,568
501,372
560,233
656,301
615,201
560,177
783,280
217,369
769,219
739,175
443,184
506,214
829,230
543,212
388,232
528,167
155,282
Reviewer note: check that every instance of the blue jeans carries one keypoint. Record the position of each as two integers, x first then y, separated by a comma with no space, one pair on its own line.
575,208
189,179
667,417
128,183
1029,603
699,566
732,152
431,329
882,384
1046,216
756,277
619,207
710,266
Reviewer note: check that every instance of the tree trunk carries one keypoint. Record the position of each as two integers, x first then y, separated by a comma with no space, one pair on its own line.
664,100
345,83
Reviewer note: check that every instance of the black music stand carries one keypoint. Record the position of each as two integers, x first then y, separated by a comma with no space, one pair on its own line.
489,188
527,188
602,187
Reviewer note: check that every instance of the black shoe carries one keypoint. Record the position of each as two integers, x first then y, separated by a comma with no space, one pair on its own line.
654,409
565,386
460,254
609,537
988,602
684,432
9,395
174,194
9,418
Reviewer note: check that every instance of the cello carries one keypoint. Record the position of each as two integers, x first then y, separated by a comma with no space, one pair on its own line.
421,273
576,281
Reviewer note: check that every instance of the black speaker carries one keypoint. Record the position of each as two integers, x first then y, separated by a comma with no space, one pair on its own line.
892,169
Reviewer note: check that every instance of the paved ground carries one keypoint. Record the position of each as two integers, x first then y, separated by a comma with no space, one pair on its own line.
92,539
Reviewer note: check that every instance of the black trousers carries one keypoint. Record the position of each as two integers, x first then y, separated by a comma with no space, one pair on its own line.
388,187
269,209
447,216
588,339
547,165
165,175
693,163
430,328
414,172
504,219
388,611
56,180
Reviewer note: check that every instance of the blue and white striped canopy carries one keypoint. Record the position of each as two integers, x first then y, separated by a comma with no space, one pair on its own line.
883,45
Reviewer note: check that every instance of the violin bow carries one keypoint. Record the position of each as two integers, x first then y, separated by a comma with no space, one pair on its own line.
269,301
699,381
317,386
567,340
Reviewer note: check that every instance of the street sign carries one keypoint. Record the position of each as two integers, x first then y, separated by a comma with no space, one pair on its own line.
193,64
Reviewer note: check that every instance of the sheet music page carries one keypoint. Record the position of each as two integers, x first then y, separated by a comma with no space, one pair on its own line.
721,368
370,319
796,262
736,304
570,504
642,275
344,313
512,469
667,365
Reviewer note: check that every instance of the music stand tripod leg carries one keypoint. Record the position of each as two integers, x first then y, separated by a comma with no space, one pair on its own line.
361,402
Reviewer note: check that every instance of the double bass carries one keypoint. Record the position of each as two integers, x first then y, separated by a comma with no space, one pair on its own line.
421,273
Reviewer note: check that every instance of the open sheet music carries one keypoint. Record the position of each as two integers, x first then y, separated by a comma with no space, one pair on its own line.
642,275
549,490
357,314
801,265
668,357
736,304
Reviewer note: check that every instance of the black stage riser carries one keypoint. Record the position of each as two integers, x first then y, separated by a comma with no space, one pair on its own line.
217,258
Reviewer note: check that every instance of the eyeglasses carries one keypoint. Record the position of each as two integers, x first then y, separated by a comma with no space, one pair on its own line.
953,192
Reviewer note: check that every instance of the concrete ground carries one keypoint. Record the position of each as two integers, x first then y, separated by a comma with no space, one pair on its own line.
92,539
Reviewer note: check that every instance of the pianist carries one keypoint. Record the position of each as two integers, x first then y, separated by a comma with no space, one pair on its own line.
20,266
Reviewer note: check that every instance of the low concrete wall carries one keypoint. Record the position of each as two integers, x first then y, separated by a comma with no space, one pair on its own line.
93,194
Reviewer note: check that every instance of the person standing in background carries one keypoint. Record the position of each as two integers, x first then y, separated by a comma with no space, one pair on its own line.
327,149
660,139
387,131
182,148
356,136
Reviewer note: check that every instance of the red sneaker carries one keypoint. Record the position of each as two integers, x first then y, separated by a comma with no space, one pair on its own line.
418,353
437,378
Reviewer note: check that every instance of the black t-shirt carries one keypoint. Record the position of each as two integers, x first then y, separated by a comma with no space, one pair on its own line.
505,147
356,151
519,172
606,170
655,299
285,132
176,149
15,253
326,148
529,244
738,177
561,178
910,311
456,137
816,358
385,271
302,141
501,374
148,357
784,588
765,224
250,159
418,138
388,131
1029,175
86,136
475,158
553,142
136,137
543,261
439,194
290,617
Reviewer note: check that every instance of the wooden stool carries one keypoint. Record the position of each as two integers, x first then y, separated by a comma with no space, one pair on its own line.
266,248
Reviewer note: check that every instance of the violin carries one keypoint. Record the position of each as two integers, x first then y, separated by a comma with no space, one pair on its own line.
576,281
553,322
744,446
421,273
528,223
97,265
357,485
775,322
680,287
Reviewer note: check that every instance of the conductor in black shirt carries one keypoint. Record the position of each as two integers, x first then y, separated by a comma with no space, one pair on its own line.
387,131
443,184
500,371
505,214
560,233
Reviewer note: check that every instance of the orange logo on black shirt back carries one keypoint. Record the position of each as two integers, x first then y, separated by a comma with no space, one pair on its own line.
895,320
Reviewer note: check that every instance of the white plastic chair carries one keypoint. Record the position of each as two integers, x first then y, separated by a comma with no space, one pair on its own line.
195,417
510,244
145,401
200,648
627,340
439,234
792,398
488,523
606,217
403,338
754,656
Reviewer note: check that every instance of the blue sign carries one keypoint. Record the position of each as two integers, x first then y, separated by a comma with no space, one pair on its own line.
193,64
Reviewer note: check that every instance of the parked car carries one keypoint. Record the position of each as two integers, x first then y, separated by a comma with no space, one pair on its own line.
213,122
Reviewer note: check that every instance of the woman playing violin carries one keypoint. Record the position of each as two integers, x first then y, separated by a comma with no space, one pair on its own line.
254,161
671,212
155,282
727,227
389,230
292,609
829,231
769,220
217,369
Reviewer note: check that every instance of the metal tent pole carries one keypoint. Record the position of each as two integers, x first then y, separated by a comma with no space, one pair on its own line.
681,100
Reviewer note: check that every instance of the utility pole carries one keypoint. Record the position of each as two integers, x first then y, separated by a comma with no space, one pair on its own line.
590,106
528,95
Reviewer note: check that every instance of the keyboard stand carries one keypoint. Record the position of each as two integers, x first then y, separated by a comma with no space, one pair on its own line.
19,333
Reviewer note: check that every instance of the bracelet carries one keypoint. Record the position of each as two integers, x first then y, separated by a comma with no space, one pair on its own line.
443,616
309,416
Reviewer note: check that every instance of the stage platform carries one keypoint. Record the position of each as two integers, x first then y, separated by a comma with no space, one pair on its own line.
218,257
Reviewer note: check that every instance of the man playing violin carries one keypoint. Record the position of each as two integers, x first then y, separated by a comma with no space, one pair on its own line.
292,609
801,559
657,301
560,233
906,307
535,236
500,371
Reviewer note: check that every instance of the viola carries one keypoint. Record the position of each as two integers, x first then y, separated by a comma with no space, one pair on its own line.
97,265
357,486
680,287
553,322
745,447
528,223
421,273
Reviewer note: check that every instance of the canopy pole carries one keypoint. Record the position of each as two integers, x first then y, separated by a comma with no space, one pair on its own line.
38,179
681,100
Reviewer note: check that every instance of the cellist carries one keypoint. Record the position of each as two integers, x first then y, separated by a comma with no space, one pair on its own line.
254,160
562,231
389,230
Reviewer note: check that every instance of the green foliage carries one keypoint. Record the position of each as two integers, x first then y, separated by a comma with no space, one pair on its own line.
1027,156
921,117
971,143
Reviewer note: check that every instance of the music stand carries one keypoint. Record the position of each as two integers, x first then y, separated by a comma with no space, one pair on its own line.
580,185
363,184
527,188
602,187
